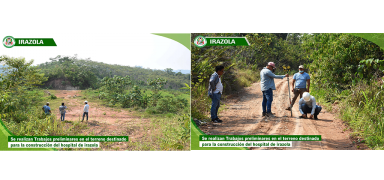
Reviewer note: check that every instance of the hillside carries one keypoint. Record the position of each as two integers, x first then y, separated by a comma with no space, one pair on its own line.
85,73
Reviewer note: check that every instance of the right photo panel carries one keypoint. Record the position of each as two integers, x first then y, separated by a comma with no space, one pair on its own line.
287,91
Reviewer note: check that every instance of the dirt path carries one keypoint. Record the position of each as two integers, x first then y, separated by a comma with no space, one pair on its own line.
242,116
103,121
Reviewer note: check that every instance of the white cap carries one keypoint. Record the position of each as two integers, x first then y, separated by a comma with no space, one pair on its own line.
301,67
86,101
306,96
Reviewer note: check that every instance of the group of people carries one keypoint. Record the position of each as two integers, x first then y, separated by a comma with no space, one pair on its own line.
62,109
300,87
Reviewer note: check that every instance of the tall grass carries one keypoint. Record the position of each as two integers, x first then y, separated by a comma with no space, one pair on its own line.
39,124
246,77
200,103
364,111
168,132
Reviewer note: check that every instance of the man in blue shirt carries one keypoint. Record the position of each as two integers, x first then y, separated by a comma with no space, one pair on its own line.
267,85
62,111
47,109
300,80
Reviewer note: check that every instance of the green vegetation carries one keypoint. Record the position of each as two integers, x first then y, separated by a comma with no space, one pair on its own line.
346,71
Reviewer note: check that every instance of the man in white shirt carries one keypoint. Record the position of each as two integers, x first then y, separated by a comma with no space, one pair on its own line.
307,104
86,108
215,90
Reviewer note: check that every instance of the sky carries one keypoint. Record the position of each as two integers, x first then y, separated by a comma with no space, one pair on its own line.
132,49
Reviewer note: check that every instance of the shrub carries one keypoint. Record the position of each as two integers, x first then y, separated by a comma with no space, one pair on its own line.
53,97
151,110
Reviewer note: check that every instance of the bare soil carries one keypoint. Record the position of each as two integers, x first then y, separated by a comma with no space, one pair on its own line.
103,121
243,116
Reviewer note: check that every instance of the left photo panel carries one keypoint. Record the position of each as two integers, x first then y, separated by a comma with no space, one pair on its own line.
92,92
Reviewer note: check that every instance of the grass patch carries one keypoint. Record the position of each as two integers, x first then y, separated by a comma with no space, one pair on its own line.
246,77
167,132
361,107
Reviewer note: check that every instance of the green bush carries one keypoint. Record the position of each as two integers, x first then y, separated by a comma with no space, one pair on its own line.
151,110
52,96
166,104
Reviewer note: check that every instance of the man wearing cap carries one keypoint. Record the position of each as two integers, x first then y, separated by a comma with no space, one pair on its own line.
47,109
267,83
86,108
307,104
300,80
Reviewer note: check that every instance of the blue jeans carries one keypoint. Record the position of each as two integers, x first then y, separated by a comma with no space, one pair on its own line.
62,117
215,105
85,113
267,100
306,109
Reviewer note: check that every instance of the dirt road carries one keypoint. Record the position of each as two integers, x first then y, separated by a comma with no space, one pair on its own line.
243,116
103,121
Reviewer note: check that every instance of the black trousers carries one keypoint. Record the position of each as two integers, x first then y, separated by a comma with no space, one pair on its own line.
85,113
307,109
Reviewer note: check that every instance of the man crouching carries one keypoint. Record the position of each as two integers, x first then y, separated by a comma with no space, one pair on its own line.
307,104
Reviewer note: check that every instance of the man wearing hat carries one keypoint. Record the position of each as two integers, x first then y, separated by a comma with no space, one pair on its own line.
47,109
300,80
86,108
267,85
307,104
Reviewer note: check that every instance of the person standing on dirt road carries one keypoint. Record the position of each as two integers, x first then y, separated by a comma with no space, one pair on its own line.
267,83
307,104
300,80
86,108
47,109
62,111
215,90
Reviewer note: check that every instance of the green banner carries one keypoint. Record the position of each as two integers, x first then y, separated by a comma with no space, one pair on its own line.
35,42
260,138
9,42
67,138
201,41
227,41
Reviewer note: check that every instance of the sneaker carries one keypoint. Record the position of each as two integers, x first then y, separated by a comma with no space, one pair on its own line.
264,113
315,118
270,115
217,121
220,121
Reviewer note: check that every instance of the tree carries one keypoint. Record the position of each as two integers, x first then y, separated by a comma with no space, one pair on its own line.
116,84
15,86
169,71
157,84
